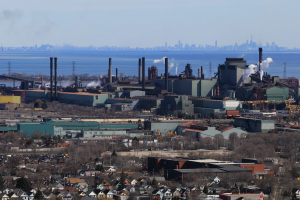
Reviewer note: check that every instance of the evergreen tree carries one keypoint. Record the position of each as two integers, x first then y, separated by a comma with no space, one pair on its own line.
39,195
99,168
22,183
154,183
241,187
205,189
114,154
122,179
1,182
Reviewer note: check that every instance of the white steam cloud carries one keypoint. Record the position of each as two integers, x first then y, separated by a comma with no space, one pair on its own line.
265,64
66,84
171,65
251,70
94,84
159,60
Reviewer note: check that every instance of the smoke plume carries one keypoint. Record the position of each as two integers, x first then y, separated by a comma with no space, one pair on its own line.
94,84
66,84
251,70
265,64
159,60
173,64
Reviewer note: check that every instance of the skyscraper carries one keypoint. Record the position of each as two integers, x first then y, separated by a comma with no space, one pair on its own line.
179,45
216,43
166,45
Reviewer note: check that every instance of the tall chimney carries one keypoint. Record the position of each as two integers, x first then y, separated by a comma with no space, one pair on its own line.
260,57
149,73
109,71
140,70
116,74
51,78
143,73
55,79
166,74
202,74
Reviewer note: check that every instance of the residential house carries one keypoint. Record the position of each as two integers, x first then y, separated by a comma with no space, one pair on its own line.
91,193
4,196
21,194
49,195
111,194
66,195
157,194
88,198
30,195
167,194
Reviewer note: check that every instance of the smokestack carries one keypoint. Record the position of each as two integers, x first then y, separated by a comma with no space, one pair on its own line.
55,78
140,70
116,74
149,73
143,73
51,78
260,57
166,74
109,71
202,74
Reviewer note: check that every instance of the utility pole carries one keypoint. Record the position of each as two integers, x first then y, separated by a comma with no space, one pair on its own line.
9,72
284,70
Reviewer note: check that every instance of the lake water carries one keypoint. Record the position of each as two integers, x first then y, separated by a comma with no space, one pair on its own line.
96,62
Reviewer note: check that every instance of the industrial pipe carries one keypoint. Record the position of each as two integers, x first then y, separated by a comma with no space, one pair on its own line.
166,74
55,79
51,78
109,71
140,70
260,57
143,73
116,74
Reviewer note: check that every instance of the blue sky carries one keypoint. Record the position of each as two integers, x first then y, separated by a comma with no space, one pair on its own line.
148,23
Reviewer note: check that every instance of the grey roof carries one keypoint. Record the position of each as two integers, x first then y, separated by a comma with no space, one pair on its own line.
200,170
88,198
232,168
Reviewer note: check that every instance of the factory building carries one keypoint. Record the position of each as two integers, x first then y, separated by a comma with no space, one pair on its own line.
148,103
162,127
206,106
77,98
124,104
211,132
177,102
254,125
231,72
10,99
54,128
182,169
191,87
103,133
263,92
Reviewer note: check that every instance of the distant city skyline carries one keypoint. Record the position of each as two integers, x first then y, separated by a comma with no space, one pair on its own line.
249,45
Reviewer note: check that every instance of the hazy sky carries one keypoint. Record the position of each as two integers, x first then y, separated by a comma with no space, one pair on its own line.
148,23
